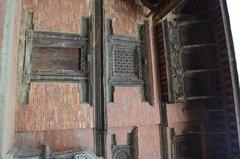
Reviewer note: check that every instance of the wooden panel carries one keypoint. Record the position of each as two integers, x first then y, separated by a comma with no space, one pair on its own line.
61,40
55,58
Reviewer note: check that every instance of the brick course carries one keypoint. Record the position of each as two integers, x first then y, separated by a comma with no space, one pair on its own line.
125,16
58,15
129,110
54,106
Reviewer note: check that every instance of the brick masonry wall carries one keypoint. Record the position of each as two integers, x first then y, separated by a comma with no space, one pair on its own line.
50,113
129,110
54,115
58,15
54,106
125,16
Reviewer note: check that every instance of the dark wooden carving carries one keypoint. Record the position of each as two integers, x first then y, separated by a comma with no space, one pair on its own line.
126,61
122,151
51,56
189,50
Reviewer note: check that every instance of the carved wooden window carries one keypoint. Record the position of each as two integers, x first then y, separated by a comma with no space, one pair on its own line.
51,56
126,62
57,56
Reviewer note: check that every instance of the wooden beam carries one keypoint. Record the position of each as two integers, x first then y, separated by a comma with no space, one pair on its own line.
58,40
97,78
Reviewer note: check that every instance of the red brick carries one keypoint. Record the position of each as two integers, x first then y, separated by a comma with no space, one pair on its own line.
54,106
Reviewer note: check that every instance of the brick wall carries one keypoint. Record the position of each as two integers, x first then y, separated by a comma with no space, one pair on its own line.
125,16
129,110
54,115
58,15
54,106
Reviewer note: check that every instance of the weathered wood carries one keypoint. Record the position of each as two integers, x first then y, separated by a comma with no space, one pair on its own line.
52,56
58,40
97,78
58,72
122,151
147,89
57,78
84,92
57,43
84,27
232,63
164,9
27,68
58,35
55,58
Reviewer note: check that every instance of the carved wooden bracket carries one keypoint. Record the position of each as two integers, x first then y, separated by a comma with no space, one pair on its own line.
189,50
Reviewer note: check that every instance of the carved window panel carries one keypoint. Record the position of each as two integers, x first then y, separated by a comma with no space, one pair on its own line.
55,59
58,57
126,61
